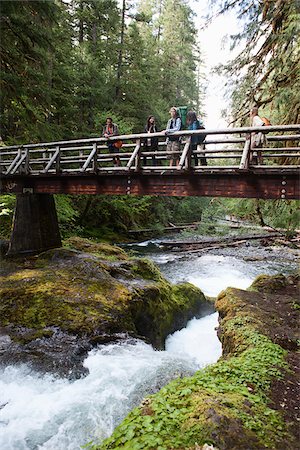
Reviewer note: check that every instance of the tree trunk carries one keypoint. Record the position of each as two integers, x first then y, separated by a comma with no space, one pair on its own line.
259,213
120,57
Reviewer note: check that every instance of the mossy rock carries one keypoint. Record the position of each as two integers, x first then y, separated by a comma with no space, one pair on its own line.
234,404
265,283
165,309
100,249
85,295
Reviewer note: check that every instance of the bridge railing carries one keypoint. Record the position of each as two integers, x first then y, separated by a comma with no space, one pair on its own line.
223,150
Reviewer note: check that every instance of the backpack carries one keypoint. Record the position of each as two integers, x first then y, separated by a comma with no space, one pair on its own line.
175,138
201,137
266,121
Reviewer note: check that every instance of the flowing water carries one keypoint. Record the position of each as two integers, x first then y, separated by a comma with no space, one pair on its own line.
44,412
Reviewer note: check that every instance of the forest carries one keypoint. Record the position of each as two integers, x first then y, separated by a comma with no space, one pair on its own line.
67,65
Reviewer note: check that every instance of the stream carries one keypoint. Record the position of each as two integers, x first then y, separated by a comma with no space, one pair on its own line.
45,412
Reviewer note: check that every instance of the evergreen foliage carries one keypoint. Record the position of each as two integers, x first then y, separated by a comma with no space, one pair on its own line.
65,66
267,69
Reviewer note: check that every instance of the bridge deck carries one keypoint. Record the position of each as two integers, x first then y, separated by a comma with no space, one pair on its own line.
86,167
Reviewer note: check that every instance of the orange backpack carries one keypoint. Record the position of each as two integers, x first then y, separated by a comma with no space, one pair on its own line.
266,121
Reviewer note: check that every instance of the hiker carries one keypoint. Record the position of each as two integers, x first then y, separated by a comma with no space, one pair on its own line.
151,143
195,124
173,142
111,129
258,140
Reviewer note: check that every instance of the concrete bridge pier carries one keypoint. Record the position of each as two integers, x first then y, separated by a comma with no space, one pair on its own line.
35,225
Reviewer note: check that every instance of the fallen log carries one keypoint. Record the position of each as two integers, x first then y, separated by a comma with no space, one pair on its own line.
208,242
199,250
172,227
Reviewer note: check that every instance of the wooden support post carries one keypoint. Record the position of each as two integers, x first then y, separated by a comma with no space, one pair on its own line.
138,156
135,155
90,158
27,167
35,225
53,158
95,159
57,161
244,164
185,159
14,162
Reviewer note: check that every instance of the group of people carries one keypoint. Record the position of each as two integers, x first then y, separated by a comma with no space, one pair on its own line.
173,150
150,143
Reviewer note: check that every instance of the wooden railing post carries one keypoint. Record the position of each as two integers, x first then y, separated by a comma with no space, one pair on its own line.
95,158
26,165
138,156
54,158
57,161
185,159
135,157
14,162
244,164
90,158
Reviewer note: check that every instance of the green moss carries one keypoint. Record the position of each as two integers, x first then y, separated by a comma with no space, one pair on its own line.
101,249
146,269
174,304
77,297
83,294
268,284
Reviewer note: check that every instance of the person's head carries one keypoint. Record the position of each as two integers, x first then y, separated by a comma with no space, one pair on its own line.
109,121
150,121
191,117
254,111
174,113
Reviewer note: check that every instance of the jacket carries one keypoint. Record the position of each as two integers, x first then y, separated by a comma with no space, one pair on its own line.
153,140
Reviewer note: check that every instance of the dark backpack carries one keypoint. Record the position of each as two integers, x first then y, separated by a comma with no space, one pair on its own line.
201,137
175,138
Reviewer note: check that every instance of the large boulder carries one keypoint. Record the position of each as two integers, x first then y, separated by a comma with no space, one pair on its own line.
56,306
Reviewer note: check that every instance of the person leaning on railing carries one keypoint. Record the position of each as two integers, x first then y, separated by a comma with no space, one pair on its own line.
173,142
195,124
111,129
151,143
258,140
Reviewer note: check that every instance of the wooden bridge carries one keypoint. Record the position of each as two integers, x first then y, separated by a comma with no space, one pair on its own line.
36,171
85,166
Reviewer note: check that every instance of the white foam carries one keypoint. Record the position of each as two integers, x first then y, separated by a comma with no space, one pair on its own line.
42,412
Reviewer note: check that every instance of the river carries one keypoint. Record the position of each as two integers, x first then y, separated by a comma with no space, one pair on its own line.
45,412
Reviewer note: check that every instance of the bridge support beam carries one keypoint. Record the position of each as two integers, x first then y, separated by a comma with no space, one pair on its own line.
35,225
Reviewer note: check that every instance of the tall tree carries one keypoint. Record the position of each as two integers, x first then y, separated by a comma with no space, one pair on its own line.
267,70
26,37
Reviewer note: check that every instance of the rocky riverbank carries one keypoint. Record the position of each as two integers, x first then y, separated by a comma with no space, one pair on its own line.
249,399
58,305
